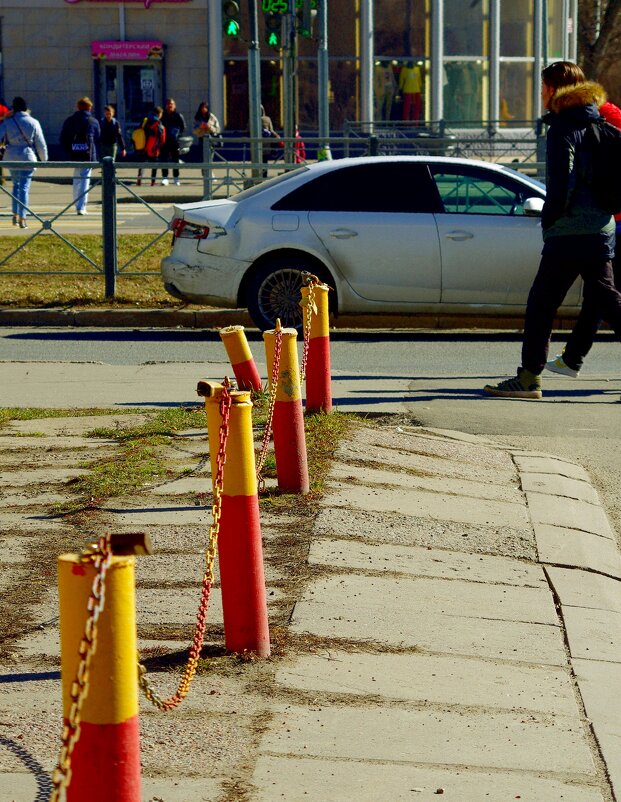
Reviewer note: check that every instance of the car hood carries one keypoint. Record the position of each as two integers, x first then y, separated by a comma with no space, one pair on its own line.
217,211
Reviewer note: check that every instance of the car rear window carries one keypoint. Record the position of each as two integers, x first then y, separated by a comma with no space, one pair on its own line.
381,187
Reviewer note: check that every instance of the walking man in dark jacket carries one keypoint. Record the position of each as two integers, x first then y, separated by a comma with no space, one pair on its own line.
578,235
80,137
174,124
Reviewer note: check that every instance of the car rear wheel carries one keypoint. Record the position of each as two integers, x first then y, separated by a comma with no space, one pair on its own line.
274,291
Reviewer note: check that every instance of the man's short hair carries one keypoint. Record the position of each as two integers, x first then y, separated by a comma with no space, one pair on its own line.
85,104
562,73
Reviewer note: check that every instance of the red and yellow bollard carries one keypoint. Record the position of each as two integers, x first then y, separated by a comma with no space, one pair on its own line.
288,421
240,551
318,371
238,351
105,765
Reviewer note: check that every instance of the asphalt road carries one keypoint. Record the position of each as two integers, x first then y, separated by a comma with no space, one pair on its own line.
436,378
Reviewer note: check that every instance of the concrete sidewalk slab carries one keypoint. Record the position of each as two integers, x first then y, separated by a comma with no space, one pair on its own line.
298,779
532,743
425,562
531,463
568,512
433,680
591,591
554,484
573,548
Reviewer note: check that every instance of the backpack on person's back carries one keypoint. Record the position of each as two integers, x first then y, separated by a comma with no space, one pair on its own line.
155,136
604,146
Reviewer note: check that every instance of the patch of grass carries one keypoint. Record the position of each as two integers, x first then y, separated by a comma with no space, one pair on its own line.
139,460
323,436
56,272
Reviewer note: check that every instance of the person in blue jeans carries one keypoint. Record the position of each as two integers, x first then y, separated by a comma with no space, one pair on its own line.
25,142
80,137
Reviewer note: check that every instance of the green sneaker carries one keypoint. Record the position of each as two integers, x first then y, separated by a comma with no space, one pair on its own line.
524,385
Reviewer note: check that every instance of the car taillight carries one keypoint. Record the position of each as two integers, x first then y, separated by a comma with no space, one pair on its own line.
184,230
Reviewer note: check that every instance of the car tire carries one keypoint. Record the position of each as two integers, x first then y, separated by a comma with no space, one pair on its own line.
274,291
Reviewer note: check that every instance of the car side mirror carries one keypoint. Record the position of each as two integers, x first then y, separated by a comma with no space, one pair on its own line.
533,207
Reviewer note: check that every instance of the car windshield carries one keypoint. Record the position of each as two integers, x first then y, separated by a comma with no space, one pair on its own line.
529,179
271,182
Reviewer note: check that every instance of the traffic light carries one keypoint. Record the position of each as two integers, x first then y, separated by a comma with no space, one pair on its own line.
306,11
231,23
273,30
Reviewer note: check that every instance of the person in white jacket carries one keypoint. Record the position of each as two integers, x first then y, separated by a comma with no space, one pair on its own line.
24,143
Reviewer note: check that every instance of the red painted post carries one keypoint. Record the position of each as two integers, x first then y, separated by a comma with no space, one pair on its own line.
240,356
240,551
318,371
288,422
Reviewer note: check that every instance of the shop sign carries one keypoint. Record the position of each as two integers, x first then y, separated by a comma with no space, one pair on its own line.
145,3
127,51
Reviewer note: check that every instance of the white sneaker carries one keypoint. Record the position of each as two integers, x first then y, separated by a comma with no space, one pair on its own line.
82,211
177,182
164,182
557,365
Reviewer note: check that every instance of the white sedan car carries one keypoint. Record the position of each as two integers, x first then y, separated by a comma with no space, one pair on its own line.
390,234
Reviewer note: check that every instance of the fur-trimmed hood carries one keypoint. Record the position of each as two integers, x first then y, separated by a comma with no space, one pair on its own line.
582,94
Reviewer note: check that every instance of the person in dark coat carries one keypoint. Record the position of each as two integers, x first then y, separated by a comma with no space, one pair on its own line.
112,142
80,138
578,235
174,124
581,339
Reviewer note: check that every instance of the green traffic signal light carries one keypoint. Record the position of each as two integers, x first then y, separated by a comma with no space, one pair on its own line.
273,41
232,28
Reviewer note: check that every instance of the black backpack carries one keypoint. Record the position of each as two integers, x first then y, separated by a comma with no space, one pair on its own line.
80,144
604,145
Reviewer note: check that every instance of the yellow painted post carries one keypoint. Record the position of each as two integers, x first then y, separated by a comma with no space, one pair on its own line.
318,370
288,421
240,356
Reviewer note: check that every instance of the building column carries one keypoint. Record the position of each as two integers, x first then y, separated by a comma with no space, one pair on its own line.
437,60
539,32
494,63
215,64
366,60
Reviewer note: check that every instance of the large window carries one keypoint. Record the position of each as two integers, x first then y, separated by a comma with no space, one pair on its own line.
401,27
463,27
516,28
463,91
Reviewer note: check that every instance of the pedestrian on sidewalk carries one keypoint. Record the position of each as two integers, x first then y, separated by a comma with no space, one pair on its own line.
578,235
581,339
112,141
174,124
79,137
155,136
24,143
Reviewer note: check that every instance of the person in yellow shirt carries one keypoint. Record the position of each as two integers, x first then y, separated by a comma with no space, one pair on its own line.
410,86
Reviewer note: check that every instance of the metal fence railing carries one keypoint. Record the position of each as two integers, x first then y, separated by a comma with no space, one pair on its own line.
226,169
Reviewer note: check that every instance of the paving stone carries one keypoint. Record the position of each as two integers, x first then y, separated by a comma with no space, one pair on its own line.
296,779
532,463
180,789
571,547
437,506
425,562
585,589
56,444
189,484
410,530
435,615
433,679
537,743
77,425
14,521
556,485
593,634
156,515
26,498
568,512
341,475
38,476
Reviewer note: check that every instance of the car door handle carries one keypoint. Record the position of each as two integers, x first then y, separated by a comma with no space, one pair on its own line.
459,236
343,233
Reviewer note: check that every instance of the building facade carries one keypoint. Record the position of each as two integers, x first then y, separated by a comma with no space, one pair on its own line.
464,61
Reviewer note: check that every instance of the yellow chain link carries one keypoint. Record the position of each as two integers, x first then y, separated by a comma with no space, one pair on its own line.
311,309
100,554
208,577
270,407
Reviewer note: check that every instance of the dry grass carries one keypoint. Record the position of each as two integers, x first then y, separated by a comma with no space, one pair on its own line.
58,276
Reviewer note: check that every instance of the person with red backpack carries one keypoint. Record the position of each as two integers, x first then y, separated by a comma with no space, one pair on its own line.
155,136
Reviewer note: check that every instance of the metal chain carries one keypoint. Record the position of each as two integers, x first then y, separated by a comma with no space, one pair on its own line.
201,617
311,309
270,407
100,554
